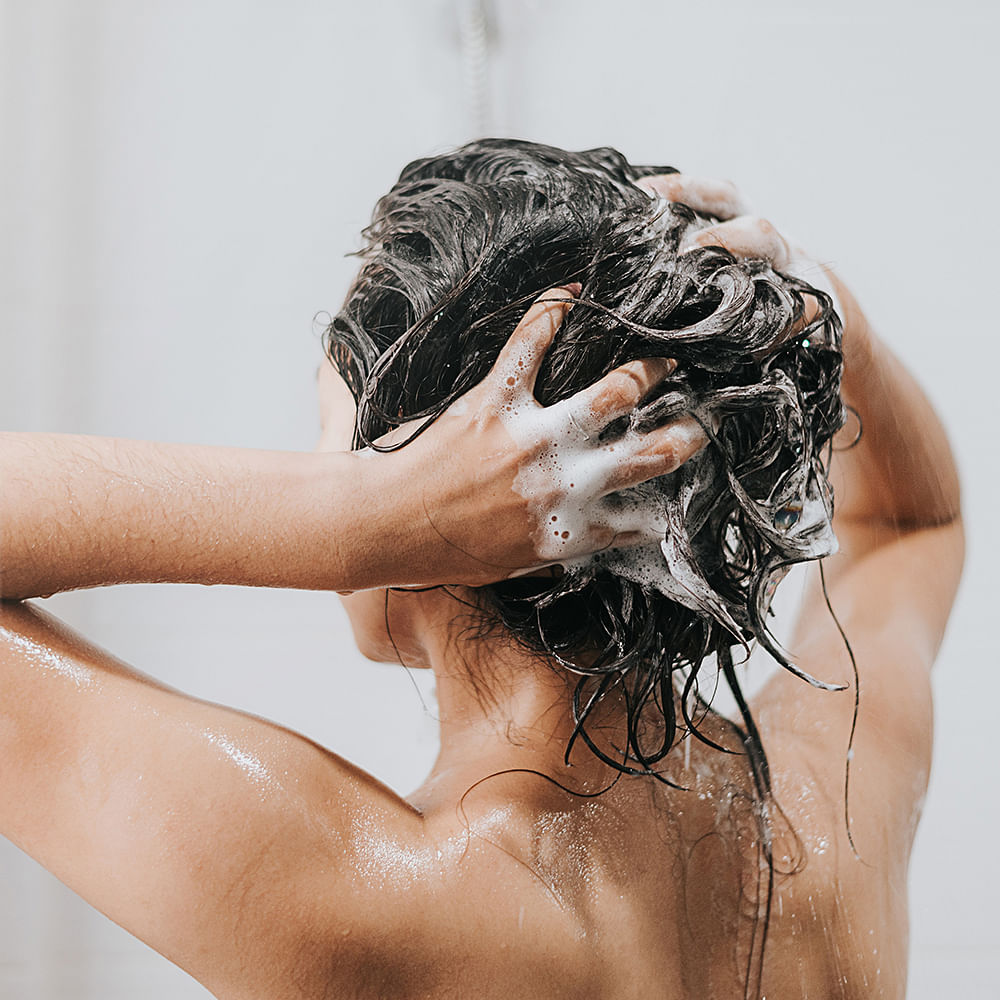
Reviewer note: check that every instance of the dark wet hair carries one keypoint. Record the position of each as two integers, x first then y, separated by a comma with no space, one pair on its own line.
456,252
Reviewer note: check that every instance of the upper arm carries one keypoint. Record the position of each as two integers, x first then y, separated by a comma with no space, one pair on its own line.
213,836
892,595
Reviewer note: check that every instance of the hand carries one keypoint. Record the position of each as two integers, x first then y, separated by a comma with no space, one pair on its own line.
745,236
754,238
887,471
505,484
706,196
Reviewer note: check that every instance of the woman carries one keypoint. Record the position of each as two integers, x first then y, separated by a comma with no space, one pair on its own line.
576,836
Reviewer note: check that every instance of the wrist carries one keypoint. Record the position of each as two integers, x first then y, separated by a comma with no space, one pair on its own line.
368,527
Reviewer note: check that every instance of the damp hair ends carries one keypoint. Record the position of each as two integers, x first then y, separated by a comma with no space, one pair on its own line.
455,254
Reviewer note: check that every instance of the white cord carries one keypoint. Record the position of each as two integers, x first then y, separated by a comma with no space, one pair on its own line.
474,24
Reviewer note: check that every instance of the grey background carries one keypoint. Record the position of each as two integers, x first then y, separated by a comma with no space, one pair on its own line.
179,182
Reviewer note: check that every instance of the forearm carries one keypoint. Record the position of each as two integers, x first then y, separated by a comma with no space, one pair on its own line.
450,507
81,512
901,472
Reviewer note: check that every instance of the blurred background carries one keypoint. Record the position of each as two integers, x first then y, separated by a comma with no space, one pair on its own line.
180,182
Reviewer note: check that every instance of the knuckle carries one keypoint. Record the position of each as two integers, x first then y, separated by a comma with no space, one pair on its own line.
671,460
673,187
764,226
553,300
637,370
708,237
600,535
669,454
652,370
621,393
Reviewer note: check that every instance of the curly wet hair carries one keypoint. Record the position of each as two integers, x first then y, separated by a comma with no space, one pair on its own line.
456,252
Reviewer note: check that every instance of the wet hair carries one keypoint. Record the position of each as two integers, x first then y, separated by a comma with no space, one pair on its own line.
454,255
456,252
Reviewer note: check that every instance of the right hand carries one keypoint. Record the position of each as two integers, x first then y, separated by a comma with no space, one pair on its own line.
745,236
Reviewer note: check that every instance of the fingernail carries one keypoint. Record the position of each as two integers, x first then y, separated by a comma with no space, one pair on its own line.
549,570
667,366
574,288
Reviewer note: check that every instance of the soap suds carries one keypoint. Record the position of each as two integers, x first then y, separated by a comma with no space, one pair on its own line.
567,483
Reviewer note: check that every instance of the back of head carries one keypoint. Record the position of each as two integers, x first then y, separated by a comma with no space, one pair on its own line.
458,250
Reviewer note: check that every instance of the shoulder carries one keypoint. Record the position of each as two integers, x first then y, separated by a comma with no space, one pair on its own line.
248,837
469,906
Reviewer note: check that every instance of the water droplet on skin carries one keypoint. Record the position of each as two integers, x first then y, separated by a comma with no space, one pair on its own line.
511,380
40,656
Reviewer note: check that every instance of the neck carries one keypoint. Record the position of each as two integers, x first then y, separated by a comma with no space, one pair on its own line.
502,707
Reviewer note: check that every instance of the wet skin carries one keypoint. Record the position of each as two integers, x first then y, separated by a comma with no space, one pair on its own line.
268,867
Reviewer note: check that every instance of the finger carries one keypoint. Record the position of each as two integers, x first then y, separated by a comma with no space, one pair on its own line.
754,238
632,526
518,362
709,197
546,571
640,457
617,394
745,237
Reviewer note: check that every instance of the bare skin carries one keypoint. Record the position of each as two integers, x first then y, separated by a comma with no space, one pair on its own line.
86,511
269,868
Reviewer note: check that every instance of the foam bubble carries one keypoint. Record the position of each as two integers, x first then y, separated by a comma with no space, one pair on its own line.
565,488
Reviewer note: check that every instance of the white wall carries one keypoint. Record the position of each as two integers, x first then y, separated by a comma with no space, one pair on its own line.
179,182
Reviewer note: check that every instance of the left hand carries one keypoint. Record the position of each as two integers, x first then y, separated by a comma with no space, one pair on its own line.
499,484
